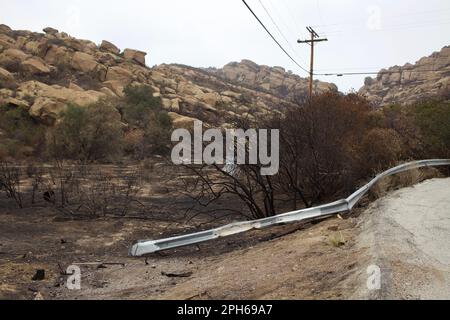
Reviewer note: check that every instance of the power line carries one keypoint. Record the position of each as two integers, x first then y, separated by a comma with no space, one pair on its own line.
372,73
278,28
273,38
385,17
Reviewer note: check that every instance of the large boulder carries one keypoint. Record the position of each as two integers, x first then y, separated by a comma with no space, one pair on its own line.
4,28
11,59
211,98
5,75
6,41
84,62
115,86
50,31
182,122
135,55
109,47
119,74
189,89
35,66
51,100
47,110
60,56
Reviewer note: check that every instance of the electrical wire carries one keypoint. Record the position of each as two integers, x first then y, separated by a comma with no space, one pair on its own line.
273,38
278,28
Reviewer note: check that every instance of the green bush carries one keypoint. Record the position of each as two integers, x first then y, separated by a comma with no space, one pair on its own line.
140,109
87,133
139,105
433,119
20,132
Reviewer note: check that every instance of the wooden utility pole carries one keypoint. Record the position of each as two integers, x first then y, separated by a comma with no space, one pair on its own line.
314,39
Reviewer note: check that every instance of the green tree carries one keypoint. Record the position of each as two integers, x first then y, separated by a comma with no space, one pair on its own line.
140,109
87,133
433,119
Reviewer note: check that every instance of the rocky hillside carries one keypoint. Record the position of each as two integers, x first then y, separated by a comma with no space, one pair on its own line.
411,83
42,72
274,80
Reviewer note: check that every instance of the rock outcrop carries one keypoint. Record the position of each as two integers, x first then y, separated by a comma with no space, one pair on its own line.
274,80
44,72
427,78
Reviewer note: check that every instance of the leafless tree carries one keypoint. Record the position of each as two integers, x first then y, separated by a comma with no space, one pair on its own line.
10,181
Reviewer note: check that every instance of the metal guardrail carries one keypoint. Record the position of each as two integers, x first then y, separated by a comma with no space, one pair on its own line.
150,246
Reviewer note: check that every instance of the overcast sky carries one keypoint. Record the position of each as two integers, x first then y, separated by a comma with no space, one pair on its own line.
364,35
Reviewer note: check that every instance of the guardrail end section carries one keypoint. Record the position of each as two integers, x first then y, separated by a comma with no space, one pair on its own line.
141,248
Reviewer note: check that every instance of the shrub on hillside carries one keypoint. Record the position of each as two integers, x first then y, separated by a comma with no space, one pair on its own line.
21,135
141,110
87,133
433,119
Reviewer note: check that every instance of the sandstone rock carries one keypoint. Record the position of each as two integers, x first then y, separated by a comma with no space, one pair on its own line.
109,47
11,57
50,30
6,41
4,28
166,103
108,59
14,102
115,86
35,66
47,110
186,88
170,90
58,55
119,74
38,89
161,79
108,92
232,94
5,75
274,80
175,105
84,62
211,99
410,83
182,122
75,87
135,55
101,72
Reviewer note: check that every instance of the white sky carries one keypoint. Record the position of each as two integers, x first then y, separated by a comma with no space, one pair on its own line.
364,35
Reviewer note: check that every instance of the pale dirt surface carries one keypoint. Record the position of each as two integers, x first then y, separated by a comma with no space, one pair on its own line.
407,234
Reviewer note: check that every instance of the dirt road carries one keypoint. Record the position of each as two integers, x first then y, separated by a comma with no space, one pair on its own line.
407,235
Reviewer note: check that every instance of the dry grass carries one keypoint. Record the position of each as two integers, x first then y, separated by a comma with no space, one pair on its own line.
337,240
402,180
